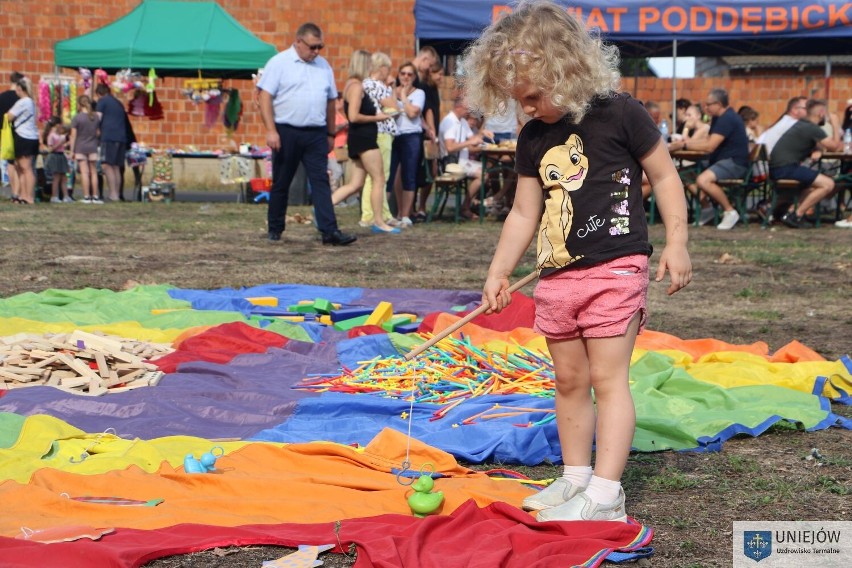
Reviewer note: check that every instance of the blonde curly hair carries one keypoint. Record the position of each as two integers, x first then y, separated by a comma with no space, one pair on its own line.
544,45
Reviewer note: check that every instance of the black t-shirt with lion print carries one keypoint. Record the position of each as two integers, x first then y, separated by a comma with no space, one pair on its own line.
592,183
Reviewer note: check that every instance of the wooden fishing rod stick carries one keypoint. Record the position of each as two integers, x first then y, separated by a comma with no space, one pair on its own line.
466,319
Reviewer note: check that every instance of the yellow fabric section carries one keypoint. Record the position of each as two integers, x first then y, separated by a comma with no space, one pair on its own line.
47,442
129,329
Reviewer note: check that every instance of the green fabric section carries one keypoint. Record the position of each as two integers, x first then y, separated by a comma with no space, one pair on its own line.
291,330
674,410
404,342
158,34
10,428
91,306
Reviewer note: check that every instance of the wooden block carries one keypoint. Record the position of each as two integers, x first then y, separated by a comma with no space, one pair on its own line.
74,382
81,368
83,340
154,377
48,361
14,376
381,314
103,368
130,377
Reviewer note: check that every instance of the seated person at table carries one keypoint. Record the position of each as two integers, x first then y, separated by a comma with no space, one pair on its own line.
753,128
694,130
794,146
796,110
728,152
457,139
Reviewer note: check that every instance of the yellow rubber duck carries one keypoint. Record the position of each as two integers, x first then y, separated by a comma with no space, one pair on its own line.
423,502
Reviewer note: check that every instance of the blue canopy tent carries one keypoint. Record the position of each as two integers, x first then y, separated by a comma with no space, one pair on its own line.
668,27
644,29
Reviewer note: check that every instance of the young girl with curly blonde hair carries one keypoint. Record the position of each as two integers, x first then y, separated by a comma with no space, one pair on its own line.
579,162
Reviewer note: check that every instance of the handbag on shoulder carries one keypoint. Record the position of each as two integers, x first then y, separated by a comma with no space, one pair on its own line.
7,141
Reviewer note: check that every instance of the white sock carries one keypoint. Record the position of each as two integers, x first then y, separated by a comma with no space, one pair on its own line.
578,475
603,491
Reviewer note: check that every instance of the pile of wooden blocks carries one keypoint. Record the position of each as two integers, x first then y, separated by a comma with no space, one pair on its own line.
79,362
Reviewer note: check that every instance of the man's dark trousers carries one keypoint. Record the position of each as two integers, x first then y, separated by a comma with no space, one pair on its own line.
308,145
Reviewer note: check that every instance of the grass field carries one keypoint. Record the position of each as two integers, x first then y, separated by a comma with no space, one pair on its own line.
750,285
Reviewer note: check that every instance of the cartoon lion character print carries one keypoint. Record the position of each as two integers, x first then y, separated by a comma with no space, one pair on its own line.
563,170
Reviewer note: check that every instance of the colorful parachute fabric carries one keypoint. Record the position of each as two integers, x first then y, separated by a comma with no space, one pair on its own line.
308,406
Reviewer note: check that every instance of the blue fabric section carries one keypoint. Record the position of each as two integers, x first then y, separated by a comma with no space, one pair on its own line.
619,557
353,353
351,419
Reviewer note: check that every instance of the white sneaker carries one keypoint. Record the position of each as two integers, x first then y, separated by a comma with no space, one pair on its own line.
97,201
68,199
707,215
844,223
729,219
55,200
581,508
86,201
405,222
555,494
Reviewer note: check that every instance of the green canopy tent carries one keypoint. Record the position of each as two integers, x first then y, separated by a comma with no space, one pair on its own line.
179,39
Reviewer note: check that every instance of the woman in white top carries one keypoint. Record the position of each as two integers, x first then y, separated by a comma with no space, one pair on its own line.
22,116
408,144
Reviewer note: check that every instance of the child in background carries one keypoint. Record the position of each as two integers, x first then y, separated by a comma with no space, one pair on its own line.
56,162
84,144
579,163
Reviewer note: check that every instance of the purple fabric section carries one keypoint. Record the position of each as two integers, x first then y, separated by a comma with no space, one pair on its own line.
251,393
420,302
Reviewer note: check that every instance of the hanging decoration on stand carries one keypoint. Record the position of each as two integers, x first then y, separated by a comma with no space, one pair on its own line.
127,80
101,77
233,112
207,91
144,101
151,86
57,97
86,78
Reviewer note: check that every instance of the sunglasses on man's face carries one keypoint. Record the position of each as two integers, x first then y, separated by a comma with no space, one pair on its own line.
313,47
406,74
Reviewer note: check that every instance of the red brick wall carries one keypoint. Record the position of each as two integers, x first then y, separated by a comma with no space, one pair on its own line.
29,28
767,94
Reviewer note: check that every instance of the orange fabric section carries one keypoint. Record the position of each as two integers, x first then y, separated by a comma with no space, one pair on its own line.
259,483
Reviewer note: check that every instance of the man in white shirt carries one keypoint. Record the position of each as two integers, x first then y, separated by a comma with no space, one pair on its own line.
796,111
297,98
456,140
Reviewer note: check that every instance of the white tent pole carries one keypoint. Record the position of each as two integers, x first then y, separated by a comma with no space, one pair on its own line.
674,86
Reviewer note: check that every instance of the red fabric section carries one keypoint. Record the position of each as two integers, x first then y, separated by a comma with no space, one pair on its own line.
220,344
520,313
365,330
497,535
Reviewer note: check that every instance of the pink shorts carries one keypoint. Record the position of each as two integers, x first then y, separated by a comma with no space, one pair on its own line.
598,301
